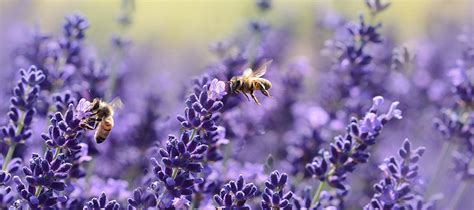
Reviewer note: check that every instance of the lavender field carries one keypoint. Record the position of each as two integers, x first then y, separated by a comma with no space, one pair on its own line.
234,105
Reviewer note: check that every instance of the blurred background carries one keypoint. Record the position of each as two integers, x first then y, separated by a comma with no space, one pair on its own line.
169,32
185,29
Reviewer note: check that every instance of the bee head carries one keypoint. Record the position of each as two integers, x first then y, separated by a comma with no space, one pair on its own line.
234,84
96,104
104,111
228,86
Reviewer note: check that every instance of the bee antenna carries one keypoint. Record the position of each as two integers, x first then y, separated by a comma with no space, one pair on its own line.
90,93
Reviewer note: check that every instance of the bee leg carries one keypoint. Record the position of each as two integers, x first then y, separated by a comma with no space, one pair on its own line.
264,91
87,124
246,96
254,98
90,127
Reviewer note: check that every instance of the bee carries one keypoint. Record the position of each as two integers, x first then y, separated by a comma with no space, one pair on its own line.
250,81
101,119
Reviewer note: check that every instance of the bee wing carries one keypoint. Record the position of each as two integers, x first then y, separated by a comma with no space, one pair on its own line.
91,104
247,73
116,103
261,70
83,104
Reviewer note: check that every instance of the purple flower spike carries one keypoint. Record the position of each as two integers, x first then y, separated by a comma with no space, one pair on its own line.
102,203
351,149
22,108
235,194
396,190
273,196
43,176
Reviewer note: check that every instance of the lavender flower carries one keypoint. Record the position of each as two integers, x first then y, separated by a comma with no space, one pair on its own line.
304,201
22,106
199,111
264,5
64,130
376,6
74,32
401,177
11,168
209,132
462,164
142,199
177,183
96,75
217,89
184,153
21,111
102,203
273,197
349,150
354,77
181,203
63,100
5,197
44,177
457,121
64,135
235,194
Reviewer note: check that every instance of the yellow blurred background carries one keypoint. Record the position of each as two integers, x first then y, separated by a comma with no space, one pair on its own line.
194,24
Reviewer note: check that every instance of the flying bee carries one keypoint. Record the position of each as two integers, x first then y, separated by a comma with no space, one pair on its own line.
101,119
250,81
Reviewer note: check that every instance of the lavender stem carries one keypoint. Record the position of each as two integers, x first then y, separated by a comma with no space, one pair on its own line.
12,147
457,196
9,156
175,173
439,165
38,191
192,134
56,153
318,193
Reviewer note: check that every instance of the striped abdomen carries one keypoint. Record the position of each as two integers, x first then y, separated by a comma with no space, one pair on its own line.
103,130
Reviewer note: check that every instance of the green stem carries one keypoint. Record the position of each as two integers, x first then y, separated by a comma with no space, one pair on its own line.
196,200
175,173
192,134
9,156
90,169
439,165
227,155
318,193
20,125
19,128
38,190
56,153
457,196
